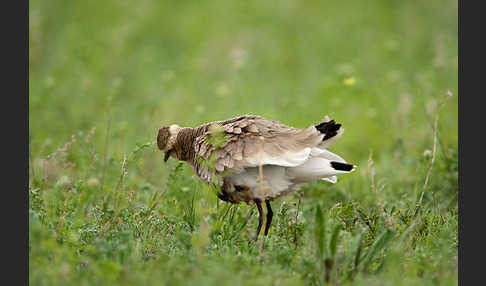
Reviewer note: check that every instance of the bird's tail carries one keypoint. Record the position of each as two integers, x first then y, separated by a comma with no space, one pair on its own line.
338,166
319,168
333,164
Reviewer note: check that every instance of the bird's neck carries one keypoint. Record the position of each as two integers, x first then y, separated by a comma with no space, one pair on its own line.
183,147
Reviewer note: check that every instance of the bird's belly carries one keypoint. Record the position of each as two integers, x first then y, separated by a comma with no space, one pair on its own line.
275,182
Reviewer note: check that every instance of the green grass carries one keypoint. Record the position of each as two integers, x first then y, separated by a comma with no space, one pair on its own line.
105,75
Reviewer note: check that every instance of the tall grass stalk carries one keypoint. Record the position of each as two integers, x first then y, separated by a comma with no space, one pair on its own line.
439,105
107,141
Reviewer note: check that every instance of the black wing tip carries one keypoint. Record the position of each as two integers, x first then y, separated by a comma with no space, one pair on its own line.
329,128
342,166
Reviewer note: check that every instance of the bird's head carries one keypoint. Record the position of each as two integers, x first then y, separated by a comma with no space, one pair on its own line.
166,139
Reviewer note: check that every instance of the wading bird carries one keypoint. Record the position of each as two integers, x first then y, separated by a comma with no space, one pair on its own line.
258,160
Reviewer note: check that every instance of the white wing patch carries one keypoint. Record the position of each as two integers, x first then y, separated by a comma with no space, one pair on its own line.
288,159
323,153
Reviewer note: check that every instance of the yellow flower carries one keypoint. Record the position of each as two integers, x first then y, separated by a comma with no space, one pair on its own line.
350,81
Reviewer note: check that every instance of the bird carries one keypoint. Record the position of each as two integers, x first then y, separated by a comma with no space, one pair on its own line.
256,160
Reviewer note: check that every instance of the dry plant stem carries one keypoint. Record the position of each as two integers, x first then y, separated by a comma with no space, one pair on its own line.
296,216
260,178
118,197
107,141
434,148
89,148
432,160
371,171
120,181
262,196
63,215
442,145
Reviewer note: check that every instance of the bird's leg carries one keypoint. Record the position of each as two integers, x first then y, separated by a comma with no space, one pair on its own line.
269,217
260,218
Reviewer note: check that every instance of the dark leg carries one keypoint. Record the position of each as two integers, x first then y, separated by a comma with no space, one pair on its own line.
269,217
260,218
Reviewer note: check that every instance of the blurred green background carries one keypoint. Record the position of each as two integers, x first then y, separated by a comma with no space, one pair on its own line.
191,62
126,68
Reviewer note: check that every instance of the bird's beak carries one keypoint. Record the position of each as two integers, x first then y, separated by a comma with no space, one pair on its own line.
167,155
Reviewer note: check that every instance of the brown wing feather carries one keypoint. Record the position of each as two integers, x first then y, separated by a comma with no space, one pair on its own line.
282,145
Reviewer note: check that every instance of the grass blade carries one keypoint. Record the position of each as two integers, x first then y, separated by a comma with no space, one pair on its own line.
320,232
334,240
379,244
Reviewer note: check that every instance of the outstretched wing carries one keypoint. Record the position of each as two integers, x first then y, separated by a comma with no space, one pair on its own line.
251,141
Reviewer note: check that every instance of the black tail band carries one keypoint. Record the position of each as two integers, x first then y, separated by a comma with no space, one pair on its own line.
341,166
